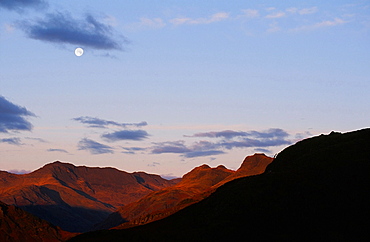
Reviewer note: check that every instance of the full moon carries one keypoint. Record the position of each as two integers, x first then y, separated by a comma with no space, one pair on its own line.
79,51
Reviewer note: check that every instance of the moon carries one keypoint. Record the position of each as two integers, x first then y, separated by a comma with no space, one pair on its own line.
79,51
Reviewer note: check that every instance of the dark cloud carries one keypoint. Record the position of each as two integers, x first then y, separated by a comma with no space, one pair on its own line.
170,147
229,139
11,141
61,28
202,148
19,5
229,134
247,143
126,135
203,153
12,117
102,123
57,150
268,134
94,147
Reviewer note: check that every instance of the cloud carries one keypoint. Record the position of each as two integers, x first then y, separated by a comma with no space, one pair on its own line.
276,15
323,24
203,153
11,141
37,139
229,134
61,28
266,151
126,135
169,176
155,23
170,147
101,123
213,18
292,10
229,140
132,150
20,5
250,13
57,150
12,117
154,164
248,143
94,147
19,172
305,11
273,27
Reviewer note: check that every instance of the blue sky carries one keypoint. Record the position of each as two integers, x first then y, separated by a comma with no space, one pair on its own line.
164,86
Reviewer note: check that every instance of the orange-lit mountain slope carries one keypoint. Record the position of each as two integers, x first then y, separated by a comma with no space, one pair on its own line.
194,186
75,198
18,225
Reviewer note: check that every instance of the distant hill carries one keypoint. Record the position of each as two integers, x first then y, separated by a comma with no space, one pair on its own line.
315,190
76,198
194,186
18,225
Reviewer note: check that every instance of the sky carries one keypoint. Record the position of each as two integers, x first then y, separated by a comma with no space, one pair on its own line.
165,86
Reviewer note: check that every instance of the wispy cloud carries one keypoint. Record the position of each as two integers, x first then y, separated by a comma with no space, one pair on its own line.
276,15
152,23
323,24
57,150
250,13
12,117
20,5
305,11
154,164
262,150
126,135
213,18
203,153
11,141
62,28
94,147
228,134
102,123
36,139
132,150
170,147
228,139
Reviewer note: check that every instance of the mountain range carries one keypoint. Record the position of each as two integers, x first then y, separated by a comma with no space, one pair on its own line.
193,187
76,198
314,190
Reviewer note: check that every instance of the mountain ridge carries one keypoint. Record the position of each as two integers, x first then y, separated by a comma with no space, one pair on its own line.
63,193
195,185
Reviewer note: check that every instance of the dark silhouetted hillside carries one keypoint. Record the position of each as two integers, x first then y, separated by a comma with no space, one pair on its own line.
18,225
315,190
195,186
75,198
